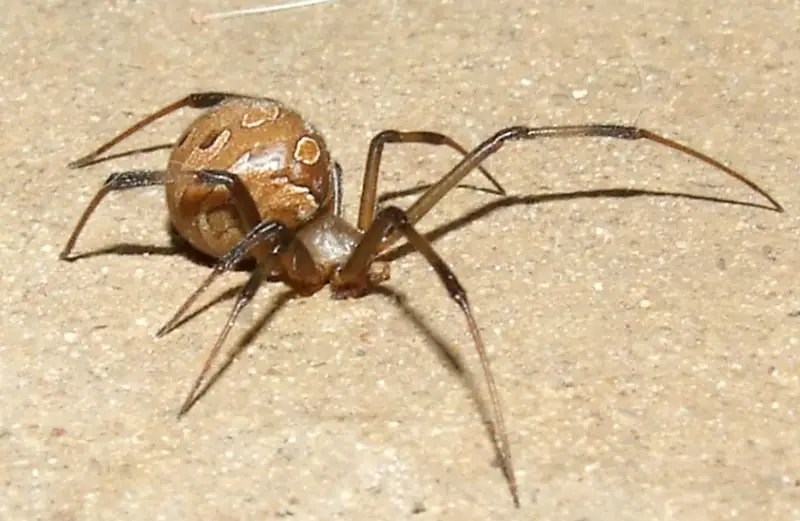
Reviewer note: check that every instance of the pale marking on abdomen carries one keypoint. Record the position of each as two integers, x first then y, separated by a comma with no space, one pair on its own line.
270,160
211,146
257,116
307,151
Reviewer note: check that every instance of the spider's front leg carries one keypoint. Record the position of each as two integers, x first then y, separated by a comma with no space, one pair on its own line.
392,219
264,239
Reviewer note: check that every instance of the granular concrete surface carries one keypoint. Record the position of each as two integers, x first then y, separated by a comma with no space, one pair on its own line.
641,309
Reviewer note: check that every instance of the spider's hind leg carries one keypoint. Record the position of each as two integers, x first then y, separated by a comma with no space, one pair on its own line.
392,219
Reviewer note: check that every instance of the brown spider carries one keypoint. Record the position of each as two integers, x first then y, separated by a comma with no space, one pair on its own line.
250,178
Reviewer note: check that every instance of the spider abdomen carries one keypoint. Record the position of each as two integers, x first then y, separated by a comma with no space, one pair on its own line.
281,159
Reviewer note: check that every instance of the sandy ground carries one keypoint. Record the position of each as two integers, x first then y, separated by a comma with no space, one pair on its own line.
642,310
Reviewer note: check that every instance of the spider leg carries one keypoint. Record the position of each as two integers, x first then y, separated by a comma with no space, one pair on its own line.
115,182
242,299
265,232
197,100
392,218
369,190
264,239
272,231
478,154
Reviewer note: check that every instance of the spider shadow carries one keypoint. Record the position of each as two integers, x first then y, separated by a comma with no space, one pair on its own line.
443,351
446,355
278,302
452,360
178,246
181,247
387,196
405,249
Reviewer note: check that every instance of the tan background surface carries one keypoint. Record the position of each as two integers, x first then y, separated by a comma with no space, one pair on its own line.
646,348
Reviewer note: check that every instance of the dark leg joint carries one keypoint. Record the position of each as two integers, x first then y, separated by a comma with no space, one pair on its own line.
399,220
134,179
204,100
256,236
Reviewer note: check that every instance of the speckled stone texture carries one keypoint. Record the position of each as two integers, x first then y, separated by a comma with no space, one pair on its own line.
642,310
